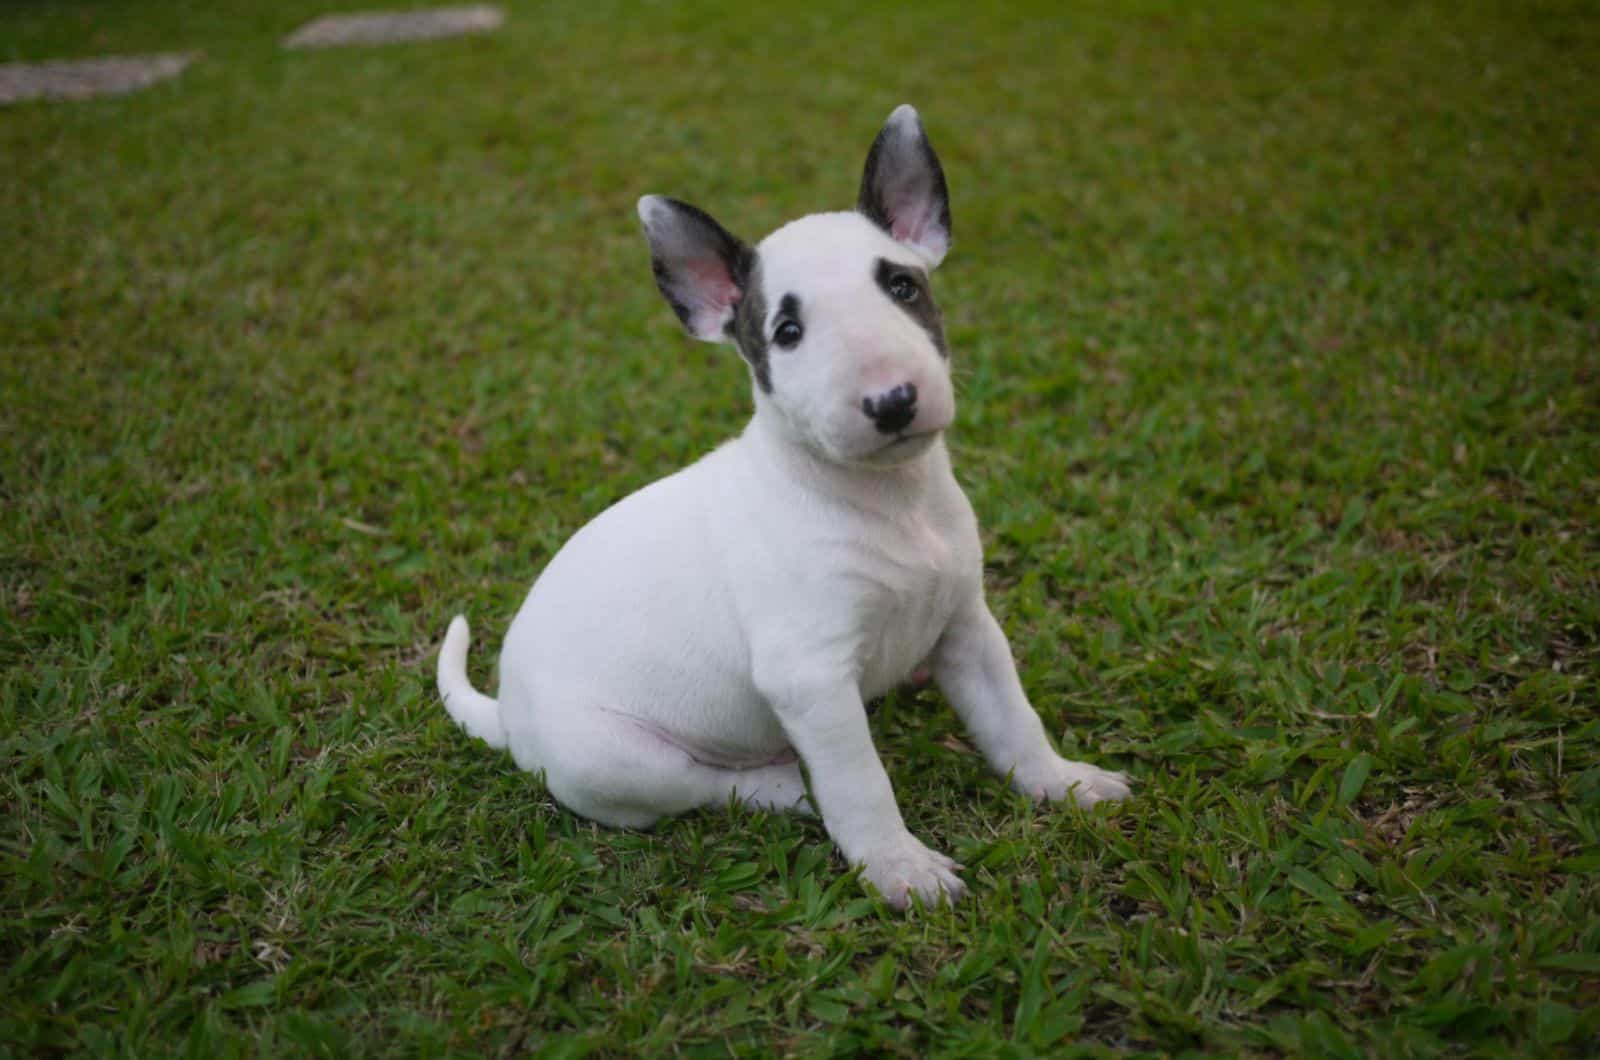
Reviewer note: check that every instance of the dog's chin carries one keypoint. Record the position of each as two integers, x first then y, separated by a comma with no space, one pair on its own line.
901,450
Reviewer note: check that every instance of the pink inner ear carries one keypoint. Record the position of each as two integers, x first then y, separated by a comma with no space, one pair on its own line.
911,221
712,283
904,231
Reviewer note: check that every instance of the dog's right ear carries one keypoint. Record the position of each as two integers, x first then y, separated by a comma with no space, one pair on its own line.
700,267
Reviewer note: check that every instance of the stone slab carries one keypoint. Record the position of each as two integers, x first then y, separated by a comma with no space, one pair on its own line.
108,75
389,27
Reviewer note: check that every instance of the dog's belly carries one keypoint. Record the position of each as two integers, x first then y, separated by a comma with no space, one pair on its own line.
899,651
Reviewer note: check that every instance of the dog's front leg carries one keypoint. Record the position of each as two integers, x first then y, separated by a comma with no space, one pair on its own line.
974,668
826,723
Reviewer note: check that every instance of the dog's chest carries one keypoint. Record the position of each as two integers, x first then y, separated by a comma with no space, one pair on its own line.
907,587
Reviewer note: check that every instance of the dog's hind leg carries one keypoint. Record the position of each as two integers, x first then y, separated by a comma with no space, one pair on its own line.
778,787
620,771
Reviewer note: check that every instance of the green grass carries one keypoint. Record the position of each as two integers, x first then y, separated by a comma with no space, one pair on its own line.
1277,347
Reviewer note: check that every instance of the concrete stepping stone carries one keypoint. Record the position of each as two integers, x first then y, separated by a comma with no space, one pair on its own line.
388,27
108,75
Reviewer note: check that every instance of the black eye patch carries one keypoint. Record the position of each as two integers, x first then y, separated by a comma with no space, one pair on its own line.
788,331
907,287
748,327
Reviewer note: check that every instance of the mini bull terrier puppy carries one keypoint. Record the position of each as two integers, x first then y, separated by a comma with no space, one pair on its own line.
708,634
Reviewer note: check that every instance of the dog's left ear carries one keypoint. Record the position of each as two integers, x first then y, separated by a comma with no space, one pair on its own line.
902,188
700,267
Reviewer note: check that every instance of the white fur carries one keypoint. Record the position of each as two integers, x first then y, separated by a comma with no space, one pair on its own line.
858,344
694,639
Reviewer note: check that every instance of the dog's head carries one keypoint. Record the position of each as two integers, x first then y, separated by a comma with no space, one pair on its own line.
832,312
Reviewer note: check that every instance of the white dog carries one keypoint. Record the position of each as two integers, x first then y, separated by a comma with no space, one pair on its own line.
708,634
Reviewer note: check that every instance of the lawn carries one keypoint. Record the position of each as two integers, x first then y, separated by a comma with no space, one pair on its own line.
1276,339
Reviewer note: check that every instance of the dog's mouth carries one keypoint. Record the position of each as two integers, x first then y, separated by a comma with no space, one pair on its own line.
903,446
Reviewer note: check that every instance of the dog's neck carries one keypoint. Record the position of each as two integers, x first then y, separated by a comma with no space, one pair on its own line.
894,491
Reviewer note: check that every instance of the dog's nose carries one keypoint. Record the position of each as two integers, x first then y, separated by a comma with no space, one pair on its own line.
893,410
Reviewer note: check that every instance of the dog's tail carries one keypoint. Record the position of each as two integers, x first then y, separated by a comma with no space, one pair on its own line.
471,709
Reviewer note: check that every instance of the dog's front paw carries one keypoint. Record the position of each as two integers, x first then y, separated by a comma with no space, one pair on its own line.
909,868
1055,778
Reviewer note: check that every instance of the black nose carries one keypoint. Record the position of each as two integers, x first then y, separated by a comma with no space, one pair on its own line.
893,410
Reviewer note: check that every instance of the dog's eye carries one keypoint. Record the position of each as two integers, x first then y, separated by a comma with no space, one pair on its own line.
903,288
788,334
